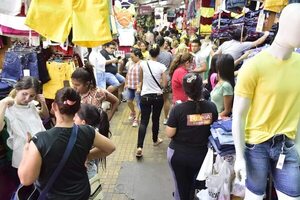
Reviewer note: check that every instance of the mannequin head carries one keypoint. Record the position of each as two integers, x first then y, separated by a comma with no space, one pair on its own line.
289,26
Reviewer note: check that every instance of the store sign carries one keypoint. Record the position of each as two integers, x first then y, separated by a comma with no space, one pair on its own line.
145,10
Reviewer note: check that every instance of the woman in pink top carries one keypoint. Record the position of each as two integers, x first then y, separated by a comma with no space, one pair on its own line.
178,69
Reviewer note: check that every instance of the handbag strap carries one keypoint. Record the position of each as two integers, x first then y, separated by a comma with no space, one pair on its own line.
153,76
61,164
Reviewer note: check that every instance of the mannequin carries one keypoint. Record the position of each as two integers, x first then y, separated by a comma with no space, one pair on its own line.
251,121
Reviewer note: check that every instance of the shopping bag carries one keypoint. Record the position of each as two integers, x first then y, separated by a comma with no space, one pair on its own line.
207,165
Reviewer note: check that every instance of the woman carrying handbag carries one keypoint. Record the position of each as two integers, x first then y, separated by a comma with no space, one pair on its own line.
44,152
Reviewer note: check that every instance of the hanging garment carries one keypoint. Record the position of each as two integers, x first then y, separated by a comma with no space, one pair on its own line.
275,5
10,7
54,19
59,73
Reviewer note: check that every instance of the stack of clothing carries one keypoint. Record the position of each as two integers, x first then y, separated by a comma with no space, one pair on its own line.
221,137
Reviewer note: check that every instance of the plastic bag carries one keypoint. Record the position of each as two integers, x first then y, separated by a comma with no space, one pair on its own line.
207,166
219,182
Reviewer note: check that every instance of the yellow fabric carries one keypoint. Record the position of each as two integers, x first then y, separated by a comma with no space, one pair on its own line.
146,55
53,19
207,12
273,86
275,5
205,28
59,72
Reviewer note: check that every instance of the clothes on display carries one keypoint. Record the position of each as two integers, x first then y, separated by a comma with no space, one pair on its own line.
88,30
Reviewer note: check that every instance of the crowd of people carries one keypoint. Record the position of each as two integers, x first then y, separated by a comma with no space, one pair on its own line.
186,77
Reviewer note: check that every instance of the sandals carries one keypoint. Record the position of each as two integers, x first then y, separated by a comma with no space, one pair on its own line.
158,142
139,152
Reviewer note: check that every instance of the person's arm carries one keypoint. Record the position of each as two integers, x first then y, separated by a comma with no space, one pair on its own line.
164,79
30,166
140,85
114,101
240,110
170,131
243,57
102,147
227,106
260,40
4,103
43,112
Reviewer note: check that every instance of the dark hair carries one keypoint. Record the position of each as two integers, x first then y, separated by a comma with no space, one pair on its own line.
193,87
154,50
212,69
28,82
160,41
179,59
68,101
95,117
85,75
196,41
237,33
111,43
225,68
137,52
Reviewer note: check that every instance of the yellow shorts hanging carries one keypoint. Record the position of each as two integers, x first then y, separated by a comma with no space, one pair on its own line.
53,19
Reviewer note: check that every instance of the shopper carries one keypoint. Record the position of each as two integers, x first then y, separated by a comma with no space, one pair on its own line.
43,153
165,57
266,114
199,65
131,85
114,80
179,68
144,48
152,80
19,117
222,94
189,128
83,81
91,115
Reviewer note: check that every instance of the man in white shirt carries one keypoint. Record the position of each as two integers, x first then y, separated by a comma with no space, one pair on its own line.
199,62
98,61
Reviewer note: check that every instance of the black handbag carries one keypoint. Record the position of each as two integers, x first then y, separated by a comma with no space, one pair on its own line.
31,192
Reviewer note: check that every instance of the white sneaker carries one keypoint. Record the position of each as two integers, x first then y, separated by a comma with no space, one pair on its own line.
131,116
158,142
135,123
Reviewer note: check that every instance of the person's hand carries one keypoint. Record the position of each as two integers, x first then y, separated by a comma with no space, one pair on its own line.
138,91
115,60
9,101
40,98
266,33
240,169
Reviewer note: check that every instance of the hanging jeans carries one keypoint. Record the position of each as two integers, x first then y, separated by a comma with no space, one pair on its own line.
16,62
150,103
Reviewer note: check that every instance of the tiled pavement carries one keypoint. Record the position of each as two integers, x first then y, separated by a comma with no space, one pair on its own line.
125,139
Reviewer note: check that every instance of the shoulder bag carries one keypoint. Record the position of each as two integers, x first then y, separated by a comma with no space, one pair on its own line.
153,76
31,192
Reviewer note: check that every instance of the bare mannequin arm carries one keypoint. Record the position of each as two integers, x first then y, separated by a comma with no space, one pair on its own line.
240,109
297,142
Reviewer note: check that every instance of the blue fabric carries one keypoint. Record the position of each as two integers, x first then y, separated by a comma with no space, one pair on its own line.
16,62
226,125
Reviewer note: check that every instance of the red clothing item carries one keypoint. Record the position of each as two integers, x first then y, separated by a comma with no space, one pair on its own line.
177,88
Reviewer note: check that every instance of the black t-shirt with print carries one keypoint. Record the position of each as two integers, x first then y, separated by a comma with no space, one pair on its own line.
192,129
72,182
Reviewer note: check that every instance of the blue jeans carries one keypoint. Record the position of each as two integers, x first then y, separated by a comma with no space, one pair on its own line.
150,103
101,80
16,62
131,95
114,79
261,159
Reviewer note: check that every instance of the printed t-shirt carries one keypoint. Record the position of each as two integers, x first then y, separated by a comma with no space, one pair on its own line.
192,129
273,87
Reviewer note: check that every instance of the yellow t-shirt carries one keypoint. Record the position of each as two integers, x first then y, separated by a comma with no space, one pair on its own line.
273,86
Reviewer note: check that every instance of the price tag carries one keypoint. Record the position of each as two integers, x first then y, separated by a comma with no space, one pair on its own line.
26,72
280,161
